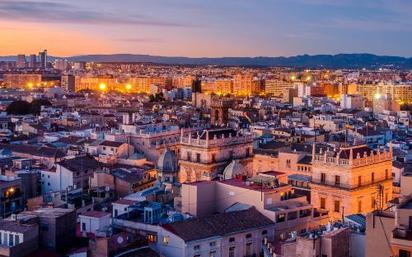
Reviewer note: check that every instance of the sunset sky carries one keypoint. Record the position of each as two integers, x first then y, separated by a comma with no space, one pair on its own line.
206,27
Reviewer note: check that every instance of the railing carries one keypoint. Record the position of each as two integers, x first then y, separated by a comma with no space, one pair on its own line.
349,187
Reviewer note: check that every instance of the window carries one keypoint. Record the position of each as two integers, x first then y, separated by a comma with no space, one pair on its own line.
151,238
213,157
373,202
11,243
83,226
323,178
359,181
212,254
232,251
281,217
248,235
337,206
404,253
323,203
337,180
196,247
359,206
232,239
247,152
264,232
288,163
198,157
212,244
165,240
373,177
386,174
248,249
189,156
16,239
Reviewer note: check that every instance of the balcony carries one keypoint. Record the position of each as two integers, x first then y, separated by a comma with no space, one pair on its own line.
402,236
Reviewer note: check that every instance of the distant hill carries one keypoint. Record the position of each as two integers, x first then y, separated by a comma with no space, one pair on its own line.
300,61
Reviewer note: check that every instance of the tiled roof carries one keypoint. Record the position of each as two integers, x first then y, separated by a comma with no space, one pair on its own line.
222,224
80,163
111,143
34,150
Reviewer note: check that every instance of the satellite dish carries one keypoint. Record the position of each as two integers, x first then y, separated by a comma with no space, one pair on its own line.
120,240
107,188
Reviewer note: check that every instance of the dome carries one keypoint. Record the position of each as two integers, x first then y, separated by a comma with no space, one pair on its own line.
167,162
235,168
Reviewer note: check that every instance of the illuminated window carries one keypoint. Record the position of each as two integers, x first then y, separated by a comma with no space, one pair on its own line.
166,240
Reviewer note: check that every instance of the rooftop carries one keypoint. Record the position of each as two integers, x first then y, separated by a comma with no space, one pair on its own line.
95,214
219,225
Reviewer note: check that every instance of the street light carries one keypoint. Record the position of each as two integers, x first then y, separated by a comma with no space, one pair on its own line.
102,86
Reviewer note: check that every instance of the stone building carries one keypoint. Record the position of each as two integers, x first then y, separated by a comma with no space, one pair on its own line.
205,154
351,179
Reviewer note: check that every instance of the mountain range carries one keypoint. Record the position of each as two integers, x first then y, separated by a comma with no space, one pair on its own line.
338,61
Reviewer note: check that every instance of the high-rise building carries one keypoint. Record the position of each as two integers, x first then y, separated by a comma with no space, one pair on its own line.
21,61
33,61
247,84
43,59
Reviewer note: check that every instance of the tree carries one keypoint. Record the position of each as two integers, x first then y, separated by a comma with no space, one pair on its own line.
37,104
22,107
19,108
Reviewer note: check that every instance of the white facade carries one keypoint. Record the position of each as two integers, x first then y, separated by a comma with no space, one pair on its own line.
92,224
10,238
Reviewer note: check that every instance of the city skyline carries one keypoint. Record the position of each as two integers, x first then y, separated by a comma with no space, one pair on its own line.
206,28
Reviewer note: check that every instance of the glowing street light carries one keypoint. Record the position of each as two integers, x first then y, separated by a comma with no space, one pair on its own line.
30,85
102,86
128,87
378,96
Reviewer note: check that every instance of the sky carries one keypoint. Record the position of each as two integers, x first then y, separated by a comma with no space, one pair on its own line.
206,28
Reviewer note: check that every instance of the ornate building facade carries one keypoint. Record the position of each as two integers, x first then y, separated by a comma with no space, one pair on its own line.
349,180
205,154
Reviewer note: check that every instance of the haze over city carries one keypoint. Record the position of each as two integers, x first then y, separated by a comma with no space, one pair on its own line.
206,27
